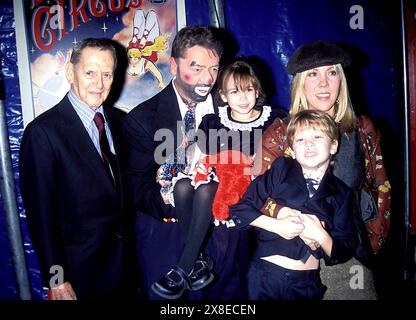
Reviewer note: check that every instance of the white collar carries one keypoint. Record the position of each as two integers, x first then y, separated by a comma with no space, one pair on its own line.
202,108
243,126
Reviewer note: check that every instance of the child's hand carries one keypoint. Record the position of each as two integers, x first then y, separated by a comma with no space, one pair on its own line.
310,243
289,212
200,172
202,169
199,168
289,227
315,231
314,228
251,168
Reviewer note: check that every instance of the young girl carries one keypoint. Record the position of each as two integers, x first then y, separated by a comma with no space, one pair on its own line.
237,126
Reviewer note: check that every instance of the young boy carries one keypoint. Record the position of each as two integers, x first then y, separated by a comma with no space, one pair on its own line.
285,264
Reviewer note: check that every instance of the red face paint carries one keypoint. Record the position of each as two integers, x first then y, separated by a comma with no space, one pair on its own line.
187,78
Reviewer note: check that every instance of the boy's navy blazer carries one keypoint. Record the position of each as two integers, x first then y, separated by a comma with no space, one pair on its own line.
284,182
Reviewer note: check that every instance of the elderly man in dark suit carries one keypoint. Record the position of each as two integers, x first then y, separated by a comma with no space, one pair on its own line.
153,125
71,183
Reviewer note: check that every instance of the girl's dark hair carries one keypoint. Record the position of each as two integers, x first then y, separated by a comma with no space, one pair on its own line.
189,37
99,43
243,75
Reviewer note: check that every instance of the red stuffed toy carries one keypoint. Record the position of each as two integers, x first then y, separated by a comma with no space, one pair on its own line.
233,172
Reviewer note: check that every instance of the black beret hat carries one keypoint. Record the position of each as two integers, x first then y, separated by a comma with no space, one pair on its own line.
317,54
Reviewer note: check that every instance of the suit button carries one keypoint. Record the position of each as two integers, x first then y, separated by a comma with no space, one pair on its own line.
119,235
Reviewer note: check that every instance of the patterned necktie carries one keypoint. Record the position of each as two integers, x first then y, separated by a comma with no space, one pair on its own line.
312,186
109,158
181,157
189,127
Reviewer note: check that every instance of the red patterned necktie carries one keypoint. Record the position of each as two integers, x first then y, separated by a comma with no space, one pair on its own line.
109,158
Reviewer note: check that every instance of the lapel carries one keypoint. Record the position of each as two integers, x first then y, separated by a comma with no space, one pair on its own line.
297,192
318,204
81,143
325,188
168,113
296,182
114,122
296,189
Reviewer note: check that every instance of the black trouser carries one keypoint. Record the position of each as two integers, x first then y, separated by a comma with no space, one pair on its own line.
268,281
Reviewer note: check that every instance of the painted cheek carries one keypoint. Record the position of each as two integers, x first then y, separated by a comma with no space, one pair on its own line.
187,78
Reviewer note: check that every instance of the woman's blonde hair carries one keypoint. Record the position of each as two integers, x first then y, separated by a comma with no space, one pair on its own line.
344,113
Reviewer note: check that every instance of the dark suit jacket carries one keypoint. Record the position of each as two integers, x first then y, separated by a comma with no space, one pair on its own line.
160,112
284,182
159,244
75,214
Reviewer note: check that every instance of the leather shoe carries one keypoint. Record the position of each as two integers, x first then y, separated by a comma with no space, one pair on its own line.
201,275
173,284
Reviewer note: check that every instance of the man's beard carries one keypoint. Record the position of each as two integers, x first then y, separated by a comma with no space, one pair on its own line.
189,90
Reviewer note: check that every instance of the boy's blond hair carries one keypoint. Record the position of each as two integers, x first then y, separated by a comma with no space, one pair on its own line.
312,119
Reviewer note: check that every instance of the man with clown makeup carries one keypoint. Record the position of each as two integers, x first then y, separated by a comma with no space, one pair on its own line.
154,130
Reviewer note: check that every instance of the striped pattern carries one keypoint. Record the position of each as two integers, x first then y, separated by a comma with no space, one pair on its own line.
86,115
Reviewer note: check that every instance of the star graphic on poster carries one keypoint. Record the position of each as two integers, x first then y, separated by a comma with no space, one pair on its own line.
75,41
104,28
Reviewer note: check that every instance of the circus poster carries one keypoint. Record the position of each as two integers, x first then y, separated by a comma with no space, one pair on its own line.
145,28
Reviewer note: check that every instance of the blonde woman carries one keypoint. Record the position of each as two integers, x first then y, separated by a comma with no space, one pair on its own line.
319,83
